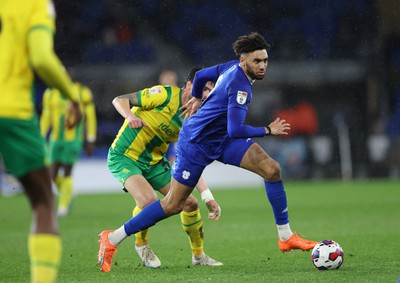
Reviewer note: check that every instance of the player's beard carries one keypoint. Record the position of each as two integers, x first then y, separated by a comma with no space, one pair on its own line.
254,76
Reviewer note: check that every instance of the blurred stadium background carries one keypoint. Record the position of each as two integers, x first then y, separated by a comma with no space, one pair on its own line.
334,70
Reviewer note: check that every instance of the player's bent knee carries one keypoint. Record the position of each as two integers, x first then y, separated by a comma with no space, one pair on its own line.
146,202
171,208
191,204
273,173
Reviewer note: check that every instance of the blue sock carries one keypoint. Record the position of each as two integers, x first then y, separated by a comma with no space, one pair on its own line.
277,197
149,216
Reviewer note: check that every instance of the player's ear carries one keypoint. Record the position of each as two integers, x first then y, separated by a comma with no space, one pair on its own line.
242,61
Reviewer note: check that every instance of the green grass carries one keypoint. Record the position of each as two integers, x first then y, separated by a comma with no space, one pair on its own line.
364,217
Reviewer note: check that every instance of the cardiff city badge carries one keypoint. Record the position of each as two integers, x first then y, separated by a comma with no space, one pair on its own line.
241,97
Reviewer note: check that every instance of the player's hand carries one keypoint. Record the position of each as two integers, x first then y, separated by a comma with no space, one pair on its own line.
279,127
135,122
191,107
89,148
214,210
74,115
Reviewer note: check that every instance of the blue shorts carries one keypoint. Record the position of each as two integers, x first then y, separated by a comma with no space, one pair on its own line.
192,158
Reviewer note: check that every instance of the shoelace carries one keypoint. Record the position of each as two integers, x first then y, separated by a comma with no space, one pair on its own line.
148,253
204,259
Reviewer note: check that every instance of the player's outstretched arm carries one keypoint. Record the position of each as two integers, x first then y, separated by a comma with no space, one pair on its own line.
49,68
207,197
46,63
90,121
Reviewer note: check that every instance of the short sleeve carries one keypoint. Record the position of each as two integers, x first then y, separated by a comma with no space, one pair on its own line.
153,97
43,14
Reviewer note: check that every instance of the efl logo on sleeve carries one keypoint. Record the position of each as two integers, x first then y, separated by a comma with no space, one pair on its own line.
155,90
241,97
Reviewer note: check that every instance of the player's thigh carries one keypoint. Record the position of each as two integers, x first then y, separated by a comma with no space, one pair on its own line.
174,201
258,161
121,166
191,159
22,146
159,174
234,151
191,203
140,190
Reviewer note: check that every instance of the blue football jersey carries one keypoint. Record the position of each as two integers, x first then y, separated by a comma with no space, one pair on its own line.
232,90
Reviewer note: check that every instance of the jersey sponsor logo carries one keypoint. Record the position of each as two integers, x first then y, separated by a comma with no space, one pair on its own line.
166,129
185,174
155,90
241,97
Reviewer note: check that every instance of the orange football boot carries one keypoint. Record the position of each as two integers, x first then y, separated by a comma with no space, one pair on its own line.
295,242
106,251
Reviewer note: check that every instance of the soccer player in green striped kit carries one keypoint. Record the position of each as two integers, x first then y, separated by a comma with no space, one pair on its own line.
137,159
66,144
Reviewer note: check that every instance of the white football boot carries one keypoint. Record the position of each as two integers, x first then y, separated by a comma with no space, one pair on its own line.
203,259
148,257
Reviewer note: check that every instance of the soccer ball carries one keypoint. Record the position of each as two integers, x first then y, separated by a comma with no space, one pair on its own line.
327,254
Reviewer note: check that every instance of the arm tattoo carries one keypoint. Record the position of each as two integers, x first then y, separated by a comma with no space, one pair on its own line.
133,98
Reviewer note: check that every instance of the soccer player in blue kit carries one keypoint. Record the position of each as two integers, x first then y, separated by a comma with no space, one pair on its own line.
217,132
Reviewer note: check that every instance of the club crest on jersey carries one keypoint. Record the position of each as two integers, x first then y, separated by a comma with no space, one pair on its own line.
241,97
185,174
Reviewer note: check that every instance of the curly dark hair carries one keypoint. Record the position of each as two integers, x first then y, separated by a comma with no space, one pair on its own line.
249,43
192,73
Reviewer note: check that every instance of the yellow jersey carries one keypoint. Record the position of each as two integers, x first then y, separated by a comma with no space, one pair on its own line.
55,107
159,108
17,19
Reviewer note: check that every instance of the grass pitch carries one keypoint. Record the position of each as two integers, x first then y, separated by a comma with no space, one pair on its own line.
363,217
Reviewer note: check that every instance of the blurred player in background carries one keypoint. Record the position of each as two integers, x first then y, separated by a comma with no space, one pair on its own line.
65,145
137,158
26,46
218,132
168,77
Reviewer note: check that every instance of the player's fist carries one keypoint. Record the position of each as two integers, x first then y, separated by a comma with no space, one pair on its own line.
74,115
135,122
214,210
